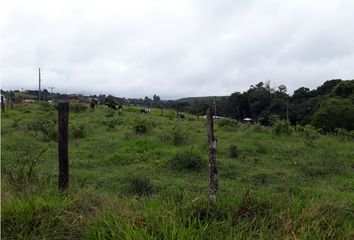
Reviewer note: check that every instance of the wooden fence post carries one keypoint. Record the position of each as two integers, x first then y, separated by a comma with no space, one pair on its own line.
2,104
213,184
63,120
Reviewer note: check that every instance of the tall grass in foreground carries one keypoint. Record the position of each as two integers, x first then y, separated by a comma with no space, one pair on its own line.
177,215
153,184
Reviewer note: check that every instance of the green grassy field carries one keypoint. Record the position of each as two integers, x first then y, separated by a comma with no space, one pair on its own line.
137,176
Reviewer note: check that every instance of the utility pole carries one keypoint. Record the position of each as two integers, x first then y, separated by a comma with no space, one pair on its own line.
215,109
39,84
51,93
287,110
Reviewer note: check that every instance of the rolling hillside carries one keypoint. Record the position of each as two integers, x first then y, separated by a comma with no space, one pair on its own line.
145,176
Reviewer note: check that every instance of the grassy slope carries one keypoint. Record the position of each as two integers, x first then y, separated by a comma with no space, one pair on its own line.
278,186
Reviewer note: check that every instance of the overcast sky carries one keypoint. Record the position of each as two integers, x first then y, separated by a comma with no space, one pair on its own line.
175,48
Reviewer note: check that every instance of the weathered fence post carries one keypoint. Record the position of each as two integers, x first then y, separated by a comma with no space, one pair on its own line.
2,104
63,120
213,185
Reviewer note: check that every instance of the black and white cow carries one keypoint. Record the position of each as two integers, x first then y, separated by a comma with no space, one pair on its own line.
93,103
144,110
112,106
180,116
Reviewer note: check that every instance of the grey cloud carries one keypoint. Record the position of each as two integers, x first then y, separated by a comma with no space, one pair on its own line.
177,48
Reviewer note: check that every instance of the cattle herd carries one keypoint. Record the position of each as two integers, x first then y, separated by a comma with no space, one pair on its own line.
113,106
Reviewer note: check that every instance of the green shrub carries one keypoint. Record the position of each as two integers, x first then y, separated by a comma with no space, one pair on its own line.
23,170
34,126
49,129
233,151
45,107
308,132
140,185
15,123
170,116
179,137
226,123
140,128
79,130
189,160
111,123
328,166
78,108
257,127
22,107
165,137
280,126
335,112
45,125
344,134
143,125
110,113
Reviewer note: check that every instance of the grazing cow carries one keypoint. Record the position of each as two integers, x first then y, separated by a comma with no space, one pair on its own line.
120,107
145,110
180,116
110,105
93,104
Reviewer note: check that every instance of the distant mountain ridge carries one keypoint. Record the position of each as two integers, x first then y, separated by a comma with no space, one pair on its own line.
205,98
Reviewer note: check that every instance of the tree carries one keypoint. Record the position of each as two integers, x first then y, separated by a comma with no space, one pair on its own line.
343,89
110,100
327,87
335,113
156,101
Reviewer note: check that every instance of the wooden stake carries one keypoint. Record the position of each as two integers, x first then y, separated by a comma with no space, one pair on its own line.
63,122
39,84
213,185
2,104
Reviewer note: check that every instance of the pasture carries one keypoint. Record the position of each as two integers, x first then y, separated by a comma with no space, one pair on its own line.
146,176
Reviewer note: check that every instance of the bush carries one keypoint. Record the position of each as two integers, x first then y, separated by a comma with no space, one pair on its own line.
45,125
142,126
78,108
79,131
334,113
140,185
140,129
24,169
190,160
257,128
308,132
49,130
261,146
45,107
111,123
344,134
226,123
15,123
179,137
280,126
110,113
233,151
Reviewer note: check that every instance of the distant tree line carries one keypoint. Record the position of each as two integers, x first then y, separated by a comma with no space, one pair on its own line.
328,107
